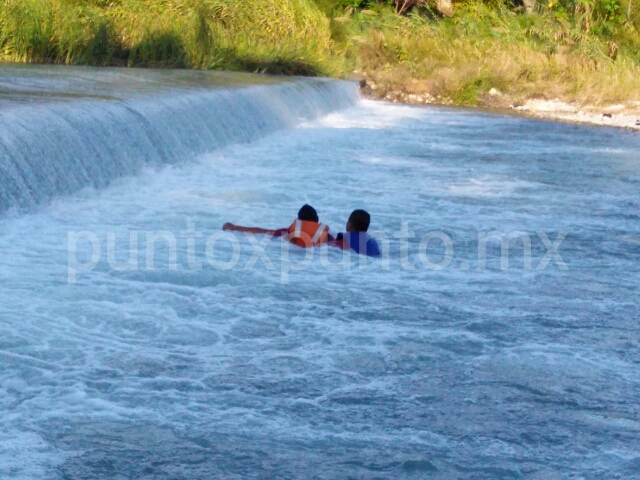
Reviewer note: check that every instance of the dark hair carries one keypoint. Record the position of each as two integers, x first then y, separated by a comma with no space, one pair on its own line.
360,220
308,213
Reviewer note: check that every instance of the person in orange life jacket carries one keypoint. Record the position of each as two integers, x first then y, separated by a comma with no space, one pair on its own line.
356,237
304,232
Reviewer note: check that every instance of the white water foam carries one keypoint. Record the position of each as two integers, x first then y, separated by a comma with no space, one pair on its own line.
374,373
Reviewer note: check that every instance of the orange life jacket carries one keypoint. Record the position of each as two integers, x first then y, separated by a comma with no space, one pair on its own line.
307,234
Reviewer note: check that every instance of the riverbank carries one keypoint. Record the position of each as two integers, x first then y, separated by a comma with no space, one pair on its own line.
622,115
283,37
560,60
619,116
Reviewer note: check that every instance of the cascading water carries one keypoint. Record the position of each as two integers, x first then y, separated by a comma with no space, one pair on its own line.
90,127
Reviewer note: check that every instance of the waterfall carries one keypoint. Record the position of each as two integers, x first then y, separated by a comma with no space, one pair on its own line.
50,148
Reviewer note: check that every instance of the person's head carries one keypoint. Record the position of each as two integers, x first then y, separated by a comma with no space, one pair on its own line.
308,213
359,221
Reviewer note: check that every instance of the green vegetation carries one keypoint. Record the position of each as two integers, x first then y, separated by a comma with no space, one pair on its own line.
591,55
580,50
276,36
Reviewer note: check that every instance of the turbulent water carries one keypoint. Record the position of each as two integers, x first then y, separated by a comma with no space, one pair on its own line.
393,368
62,132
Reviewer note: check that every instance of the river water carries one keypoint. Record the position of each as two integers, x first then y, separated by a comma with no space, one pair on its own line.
217,358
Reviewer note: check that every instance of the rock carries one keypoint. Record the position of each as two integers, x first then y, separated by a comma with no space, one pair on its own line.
606,115
495,92
413,98
637,123
365,89
552,106
445,7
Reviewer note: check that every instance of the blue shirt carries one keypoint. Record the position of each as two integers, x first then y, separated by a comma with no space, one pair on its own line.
361,243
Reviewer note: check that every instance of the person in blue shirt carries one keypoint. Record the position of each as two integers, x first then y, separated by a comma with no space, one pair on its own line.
356,237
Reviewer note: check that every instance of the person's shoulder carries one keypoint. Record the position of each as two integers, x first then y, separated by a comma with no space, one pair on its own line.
373,247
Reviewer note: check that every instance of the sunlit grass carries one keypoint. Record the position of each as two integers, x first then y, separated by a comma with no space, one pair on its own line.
481,48
278,36
549,54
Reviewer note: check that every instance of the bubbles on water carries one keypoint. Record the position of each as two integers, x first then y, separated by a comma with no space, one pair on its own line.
379,372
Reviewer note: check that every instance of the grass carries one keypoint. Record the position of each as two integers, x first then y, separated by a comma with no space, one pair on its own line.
582,51
275,36
523,55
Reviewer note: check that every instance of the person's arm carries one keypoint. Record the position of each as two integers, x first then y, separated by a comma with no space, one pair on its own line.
338,241
237,228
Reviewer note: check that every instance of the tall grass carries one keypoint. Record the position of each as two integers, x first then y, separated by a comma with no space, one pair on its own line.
579,50
482,47
276,36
